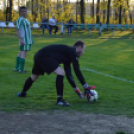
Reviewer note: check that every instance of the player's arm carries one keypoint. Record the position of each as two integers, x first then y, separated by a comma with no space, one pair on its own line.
18,32
20,38
67,69
80,76
77,71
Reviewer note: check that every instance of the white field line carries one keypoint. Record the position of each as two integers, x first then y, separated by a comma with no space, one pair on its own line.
118,78
90,70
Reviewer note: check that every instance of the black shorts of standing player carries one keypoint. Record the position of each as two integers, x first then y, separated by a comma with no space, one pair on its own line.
47,60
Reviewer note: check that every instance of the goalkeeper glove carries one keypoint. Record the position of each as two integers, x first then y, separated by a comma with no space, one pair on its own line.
80,94
87,89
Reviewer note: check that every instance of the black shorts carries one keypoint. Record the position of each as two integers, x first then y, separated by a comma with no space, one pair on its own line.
44,64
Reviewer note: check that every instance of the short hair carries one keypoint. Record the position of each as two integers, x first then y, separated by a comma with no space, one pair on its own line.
79,43
22,7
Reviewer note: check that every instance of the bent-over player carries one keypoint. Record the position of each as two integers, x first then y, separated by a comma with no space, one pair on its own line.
47,60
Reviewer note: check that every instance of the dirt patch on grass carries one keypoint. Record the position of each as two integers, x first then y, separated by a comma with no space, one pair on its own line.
59,122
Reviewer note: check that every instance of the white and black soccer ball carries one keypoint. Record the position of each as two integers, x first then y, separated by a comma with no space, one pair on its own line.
93,98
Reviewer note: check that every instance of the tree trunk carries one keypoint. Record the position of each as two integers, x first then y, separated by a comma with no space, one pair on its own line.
108,12
32,2
125,15
104,12
93,9
116,14
65,10
129,12
76,10
82,10
120,10
10,9
98,12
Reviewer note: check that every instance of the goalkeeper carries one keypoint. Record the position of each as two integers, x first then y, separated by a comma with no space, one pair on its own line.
47,60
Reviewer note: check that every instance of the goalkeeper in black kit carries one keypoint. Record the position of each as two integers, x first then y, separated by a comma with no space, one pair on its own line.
47,60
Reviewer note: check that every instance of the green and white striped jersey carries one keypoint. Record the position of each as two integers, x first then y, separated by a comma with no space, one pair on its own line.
25,30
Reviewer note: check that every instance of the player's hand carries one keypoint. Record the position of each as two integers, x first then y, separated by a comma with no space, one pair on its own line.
80,94
22,42
88,92
90,87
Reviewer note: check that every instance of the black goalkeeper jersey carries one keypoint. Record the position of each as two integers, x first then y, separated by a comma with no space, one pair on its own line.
65,55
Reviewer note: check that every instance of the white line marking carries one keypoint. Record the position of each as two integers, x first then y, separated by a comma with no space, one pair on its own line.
118,78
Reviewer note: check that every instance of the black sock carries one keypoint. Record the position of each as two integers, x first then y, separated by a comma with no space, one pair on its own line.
59,85
27,85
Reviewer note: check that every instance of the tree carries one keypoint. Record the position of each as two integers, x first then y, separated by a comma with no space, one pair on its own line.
82,10
116,13
104,11
9,10
129,11
35,9
120,10
125,10
98,12
32,2
116,5
93,9
104,8
65,10
108,12
76,10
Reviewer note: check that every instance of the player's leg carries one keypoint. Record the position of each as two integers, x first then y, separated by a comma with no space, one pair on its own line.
59,86
59,81
23,52
28,84
36,72
22,60
17,63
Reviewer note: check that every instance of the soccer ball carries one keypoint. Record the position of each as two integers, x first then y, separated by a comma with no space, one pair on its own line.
92,98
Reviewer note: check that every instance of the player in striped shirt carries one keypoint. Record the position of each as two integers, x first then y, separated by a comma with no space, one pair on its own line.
25,39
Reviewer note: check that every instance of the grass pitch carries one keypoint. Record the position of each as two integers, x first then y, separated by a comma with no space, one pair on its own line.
107,64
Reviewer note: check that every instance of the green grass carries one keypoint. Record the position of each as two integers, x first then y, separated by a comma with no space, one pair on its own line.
119,34
113,57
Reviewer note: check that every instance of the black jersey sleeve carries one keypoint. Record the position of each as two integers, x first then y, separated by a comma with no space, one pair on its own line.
77,71
67,69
